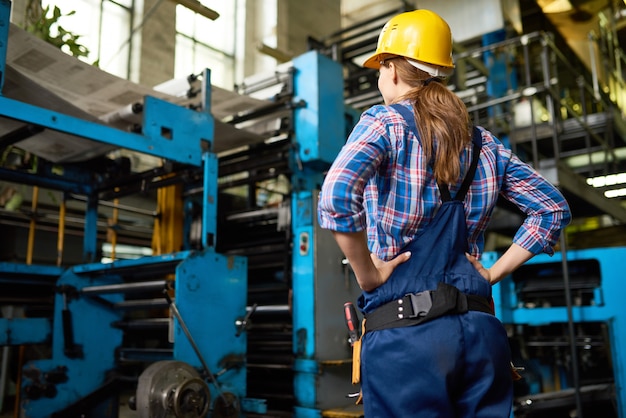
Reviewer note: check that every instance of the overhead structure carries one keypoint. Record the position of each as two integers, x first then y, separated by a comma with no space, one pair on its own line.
533,92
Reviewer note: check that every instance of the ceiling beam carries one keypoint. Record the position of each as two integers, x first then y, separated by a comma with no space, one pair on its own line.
197,7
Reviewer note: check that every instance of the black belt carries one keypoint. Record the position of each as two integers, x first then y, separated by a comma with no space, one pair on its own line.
416,308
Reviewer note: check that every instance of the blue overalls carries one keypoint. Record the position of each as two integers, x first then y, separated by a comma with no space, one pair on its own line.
456,365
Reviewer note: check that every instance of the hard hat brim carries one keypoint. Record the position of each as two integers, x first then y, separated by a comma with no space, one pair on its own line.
372,62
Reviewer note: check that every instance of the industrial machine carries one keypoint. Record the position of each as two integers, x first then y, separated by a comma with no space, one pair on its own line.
246,316
170,328
298,358
566,325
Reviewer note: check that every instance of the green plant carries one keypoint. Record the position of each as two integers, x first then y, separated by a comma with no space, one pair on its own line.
43,22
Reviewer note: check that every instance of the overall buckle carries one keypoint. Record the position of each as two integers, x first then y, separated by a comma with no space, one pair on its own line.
420,304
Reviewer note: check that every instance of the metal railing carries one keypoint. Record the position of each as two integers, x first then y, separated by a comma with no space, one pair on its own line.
550,108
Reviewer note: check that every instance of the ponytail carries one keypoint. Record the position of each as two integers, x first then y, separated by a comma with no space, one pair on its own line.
441,114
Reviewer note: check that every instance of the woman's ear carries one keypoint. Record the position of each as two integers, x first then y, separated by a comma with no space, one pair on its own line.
394,73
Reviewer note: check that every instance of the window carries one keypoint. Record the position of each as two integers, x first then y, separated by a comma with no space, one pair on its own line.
104,27
204,43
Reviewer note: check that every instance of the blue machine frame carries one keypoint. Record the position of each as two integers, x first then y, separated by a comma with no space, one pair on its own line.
210,288
323,356
607,306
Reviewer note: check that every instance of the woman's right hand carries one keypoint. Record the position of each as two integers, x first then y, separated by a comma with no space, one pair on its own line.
385,268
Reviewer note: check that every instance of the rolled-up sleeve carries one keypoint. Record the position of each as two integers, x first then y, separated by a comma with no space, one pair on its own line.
340,206
547,211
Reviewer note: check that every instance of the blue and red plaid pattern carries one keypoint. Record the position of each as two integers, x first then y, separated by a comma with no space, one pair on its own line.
381,182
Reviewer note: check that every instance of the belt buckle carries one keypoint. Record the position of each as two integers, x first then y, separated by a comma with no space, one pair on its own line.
420,303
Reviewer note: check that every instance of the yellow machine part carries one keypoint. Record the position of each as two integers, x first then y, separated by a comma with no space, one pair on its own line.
168,226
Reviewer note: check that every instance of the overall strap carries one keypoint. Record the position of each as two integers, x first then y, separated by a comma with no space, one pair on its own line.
469,176
477,140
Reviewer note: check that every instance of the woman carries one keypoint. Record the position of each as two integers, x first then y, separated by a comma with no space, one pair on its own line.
408,199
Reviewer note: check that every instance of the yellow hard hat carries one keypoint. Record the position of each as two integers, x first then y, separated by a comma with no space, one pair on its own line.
421,36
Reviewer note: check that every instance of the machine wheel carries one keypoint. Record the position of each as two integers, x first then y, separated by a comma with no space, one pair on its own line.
172,389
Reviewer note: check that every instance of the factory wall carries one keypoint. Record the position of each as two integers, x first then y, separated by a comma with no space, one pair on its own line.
298,20
158,39
295,22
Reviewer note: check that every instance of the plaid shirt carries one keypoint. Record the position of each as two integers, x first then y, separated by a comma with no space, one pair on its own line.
380,182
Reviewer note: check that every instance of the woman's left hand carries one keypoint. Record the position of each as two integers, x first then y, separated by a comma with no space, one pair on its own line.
479,267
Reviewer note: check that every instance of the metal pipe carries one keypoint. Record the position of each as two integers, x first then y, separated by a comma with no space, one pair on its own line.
61,232
32,226
7,313
151,354
18,382
552,98
3,373
141,304
124,287
195,347
116,205
135,324
269,309
570,325
29,260
594,69
581,84
253,214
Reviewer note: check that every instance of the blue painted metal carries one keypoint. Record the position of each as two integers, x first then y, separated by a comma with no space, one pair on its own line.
320,125
256,406
27,272
16,331
211,295
303,276
301,412
171,131
305,383
211,289
502,77
92,330
209,205
319,134
608,306
55,182
5,14
113,268
19,331
303,283
500,63
174,131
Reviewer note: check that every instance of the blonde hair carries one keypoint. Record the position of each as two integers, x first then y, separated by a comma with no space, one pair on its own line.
439,113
